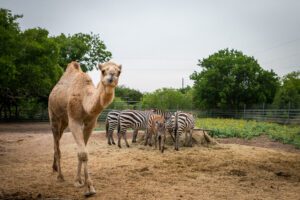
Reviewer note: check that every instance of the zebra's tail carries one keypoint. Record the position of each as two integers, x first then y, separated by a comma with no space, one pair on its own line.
119,126
106,127
176,125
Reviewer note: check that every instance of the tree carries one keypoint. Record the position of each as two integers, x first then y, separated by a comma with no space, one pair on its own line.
288,95
167,98
230,79
128,94
88,49
38,68
9,45
31,61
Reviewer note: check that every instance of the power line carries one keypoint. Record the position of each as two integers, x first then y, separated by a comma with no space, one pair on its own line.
276,46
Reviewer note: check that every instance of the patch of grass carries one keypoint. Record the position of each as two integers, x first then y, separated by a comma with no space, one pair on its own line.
249,129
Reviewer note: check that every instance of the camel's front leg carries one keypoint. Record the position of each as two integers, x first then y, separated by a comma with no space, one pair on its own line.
81,139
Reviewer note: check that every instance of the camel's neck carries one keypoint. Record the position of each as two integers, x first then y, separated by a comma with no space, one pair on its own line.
100,98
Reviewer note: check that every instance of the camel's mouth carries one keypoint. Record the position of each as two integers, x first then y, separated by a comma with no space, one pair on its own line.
110,83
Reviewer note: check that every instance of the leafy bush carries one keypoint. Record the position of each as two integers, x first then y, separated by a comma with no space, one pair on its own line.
249,129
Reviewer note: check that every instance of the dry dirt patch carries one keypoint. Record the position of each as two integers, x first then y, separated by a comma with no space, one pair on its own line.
225,171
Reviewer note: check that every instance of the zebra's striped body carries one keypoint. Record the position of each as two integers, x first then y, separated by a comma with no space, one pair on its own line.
181,122
166,114
151,127
156,127
134,119
112,124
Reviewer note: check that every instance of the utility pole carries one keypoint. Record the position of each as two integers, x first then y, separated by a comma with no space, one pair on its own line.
182,83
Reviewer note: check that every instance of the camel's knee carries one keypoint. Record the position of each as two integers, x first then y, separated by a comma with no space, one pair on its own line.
83,156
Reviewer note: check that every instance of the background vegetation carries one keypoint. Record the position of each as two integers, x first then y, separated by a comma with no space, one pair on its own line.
32,61
248,129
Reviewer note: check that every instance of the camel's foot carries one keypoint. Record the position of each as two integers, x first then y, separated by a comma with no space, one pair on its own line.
133,141
119,146
127,145
60,178
113,143
78,183
90,191
109,143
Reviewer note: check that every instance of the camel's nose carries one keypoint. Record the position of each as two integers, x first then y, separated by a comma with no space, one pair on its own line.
110,80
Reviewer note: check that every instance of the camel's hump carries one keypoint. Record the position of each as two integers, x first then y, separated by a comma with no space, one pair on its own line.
73,66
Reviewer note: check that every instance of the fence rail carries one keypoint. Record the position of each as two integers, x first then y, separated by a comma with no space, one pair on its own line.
283,116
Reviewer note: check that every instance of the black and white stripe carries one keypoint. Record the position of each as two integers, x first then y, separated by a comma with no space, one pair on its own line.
166,114
110,124
181,122
134,119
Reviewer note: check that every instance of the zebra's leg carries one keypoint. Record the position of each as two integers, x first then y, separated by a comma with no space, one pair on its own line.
108,135
125,138
186,141
163,143
146,137
191,138
119,138
134,136
150,138
112,138
159,141
177,141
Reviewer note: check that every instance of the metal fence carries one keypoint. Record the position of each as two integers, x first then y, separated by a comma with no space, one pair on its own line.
282,116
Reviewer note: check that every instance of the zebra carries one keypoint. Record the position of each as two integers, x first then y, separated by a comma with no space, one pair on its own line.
156,126
111,124
181,122
132,119
165,114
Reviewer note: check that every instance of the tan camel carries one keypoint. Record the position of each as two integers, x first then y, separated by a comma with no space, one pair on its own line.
75,102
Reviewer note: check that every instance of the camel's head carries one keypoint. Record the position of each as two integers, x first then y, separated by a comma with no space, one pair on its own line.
110,72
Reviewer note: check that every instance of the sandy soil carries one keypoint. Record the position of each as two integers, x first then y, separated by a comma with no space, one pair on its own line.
224,171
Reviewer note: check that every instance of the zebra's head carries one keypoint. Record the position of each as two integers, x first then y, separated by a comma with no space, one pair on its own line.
160,128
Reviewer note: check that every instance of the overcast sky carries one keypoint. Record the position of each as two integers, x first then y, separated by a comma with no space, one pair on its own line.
159,42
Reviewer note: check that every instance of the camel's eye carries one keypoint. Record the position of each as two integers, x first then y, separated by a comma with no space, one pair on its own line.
103,72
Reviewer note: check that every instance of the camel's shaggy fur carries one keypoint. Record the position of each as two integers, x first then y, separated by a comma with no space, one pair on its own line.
75,102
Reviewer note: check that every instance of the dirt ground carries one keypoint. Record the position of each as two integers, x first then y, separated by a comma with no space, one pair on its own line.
224,171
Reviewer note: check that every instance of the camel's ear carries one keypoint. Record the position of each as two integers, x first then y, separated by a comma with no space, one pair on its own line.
120,67
100,66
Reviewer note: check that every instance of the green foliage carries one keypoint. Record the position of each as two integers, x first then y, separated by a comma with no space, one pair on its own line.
37,64
88,49
118,104
230,79
167,98
249,129
289,93
31,62
128,94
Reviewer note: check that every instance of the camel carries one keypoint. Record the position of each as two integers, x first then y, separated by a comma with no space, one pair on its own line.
75,102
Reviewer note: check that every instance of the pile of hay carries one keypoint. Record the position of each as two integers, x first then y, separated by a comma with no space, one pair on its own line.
200,138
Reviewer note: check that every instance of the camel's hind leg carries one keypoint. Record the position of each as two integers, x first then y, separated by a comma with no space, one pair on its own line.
57,130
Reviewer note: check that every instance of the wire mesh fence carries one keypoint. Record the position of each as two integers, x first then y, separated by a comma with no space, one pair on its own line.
282,116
